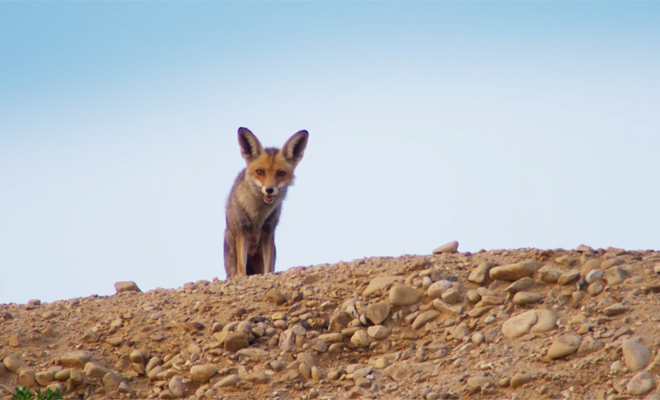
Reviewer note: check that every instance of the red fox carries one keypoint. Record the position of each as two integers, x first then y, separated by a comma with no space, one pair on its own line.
255,202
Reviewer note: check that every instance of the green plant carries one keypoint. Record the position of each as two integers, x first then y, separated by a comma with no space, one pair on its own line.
26,394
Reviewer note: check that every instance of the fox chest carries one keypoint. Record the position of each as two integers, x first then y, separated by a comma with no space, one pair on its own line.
253,243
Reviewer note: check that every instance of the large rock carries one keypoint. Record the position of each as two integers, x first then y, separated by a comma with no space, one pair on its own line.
513,272
438,288
401,295
14,363
235,341
451,247
127,286
95,370
379,283
480,274
425,317
202,373
640,384
76,359
541,320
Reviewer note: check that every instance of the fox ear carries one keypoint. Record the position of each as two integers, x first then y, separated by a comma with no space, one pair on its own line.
294,148
250,146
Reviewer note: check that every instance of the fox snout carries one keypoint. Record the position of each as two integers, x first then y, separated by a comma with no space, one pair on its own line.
269,194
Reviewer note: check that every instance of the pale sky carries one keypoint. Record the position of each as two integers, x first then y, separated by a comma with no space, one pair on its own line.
497,124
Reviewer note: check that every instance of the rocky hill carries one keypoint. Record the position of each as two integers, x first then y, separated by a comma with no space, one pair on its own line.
502,324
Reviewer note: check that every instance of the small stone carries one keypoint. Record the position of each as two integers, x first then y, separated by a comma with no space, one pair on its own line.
91,337
615,309
635,355
473,295
594,275
275,296
436,289
522,298
95,370
48,332
477,338
640,384
451,247
111,381
360,339
378,312
230,380
137,356
76,359
513,272
331,337
202,373
569,277
480,274
378,332
451,296
424,317
564,345
235,341
127,286
381,363
520,285
401,295
14,341
519,379
381,282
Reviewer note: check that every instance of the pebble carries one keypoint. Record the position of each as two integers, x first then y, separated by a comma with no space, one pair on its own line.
360,339
378,312
541,320
230,380
564,345
275,296
520,285
424,317
635,355
127,286
640,384
378,331
451,247
401,295
522,298
480,274
513,272
438,288
519,379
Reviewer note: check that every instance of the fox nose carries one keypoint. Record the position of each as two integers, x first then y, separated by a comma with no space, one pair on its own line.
270,190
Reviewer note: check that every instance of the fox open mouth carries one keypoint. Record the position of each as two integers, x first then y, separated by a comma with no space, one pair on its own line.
269,198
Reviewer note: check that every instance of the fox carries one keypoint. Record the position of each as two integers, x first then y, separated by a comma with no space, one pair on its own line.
255,202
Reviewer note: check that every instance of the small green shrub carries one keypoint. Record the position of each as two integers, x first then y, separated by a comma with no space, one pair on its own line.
26,394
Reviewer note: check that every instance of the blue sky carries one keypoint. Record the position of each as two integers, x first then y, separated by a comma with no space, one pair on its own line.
497,124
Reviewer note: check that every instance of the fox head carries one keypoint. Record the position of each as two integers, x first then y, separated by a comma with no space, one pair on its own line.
271,169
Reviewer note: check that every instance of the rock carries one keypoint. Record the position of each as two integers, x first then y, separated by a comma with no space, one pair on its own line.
403,371
378,331
166,394
91,337
522,298
378,312
451,296
331,337
274,296
153,362
137,356
589,345
436,289
110,381
612,262
256,377
590,265
640,384
26,377
339,320
615,276
478,382
44,378
63,374
596,288
480,274
424,317
401,295
95,370
451,247
360,339
461,331
520,285
519,379
202,373
583,248
176,386
540,320
48,332
446,308
594,275
127,286
14,363
76,359
235,341
549,274
635,355
253,352
381,363
513,272
379,283
50,314
569,277
615,309
230,380
124,388
564,345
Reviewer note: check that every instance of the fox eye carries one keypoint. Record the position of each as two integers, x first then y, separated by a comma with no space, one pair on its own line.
281,173
260,172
